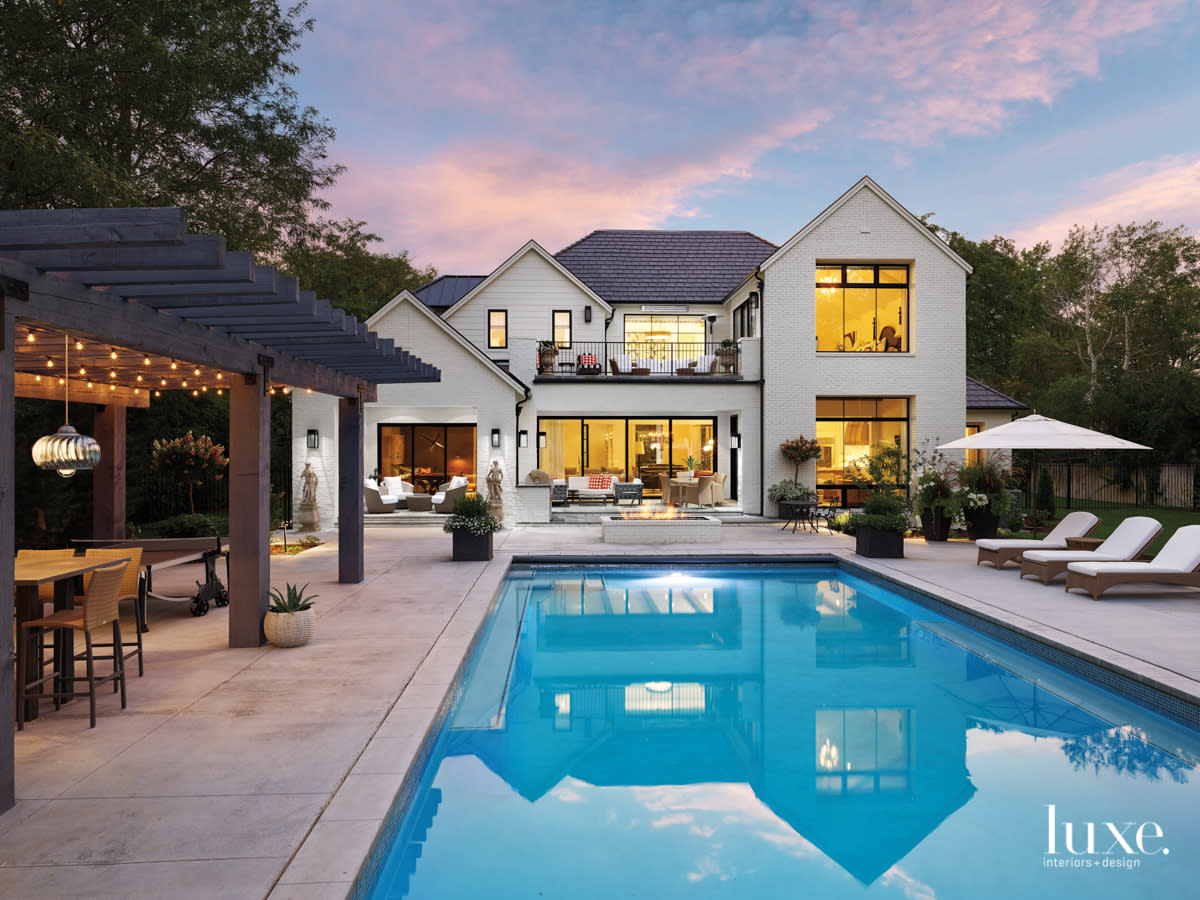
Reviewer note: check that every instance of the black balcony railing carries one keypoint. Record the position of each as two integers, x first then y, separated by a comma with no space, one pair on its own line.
653,359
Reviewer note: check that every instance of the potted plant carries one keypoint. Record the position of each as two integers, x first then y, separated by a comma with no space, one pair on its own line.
727,354
935,501
789,494
880,528
547,356
290,617
472,526
983,492
690,462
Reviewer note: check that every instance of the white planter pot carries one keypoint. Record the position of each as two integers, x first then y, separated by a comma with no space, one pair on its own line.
289,629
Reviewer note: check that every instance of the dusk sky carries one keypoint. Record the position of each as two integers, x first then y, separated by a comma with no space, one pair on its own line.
469,128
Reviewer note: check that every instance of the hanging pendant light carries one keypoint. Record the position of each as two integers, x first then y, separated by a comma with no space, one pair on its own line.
66,451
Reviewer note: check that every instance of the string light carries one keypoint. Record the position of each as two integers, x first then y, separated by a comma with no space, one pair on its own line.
204,388
219,376
185,382
79,345
49,363
158,393
139,377
90,384
195,393
112,374
146,361
37,377
220,392
196,372
82,370
29,337
164,382
112,354
174,365
308,390
112,387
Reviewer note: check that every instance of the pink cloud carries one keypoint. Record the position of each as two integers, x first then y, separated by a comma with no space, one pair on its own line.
1167,190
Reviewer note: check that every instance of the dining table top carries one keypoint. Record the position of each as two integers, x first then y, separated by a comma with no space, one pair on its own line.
29,572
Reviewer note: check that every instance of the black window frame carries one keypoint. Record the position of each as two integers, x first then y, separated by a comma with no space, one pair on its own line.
491,346
875,285
554,314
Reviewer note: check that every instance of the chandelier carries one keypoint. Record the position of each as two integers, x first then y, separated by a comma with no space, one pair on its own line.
66,451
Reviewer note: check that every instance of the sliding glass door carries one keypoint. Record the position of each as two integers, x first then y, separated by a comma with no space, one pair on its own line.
427,455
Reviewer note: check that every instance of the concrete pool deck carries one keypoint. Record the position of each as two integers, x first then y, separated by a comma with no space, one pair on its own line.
266,772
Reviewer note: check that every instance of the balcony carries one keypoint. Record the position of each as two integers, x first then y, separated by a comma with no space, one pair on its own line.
608,360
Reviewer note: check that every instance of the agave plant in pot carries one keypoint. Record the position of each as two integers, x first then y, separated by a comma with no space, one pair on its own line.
290,616
472,526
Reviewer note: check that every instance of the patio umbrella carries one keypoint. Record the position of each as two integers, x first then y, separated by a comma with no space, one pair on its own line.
1040,432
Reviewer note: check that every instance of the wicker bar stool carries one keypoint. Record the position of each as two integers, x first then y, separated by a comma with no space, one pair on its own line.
133,587
100,608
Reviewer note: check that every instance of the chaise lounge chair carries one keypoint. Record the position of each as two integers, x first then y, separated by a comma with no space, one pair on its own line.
999,551
1178,562
1126,542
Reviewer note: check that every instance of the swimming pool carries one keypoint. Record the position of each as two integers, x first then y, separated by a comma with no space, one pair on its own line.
784,731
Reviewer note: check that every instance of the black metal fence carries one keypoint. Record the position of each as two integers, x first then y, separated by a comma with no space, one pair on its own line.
674,359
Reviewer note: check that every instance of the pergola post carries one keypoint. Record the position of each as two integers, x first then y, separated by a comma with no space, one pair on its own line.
249,509
350,490
108,479
7,541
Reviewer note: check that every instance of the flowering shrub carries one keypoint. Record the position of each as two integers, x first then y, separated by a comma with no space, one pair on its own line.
972,500
193,460
798,451
983,484
472,515
933,478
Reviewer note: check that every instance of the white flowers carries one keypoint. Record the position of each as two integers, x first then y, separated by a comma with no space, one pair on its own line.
973,500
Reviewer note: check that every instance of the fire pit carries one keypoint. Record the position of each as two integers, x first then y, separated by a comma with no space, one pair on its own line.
660,528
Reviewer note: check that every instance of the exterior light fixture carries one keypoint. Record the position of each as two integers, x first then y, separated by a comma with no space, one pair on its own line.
66,451
522,438
541,439
495,437
587,313
735,442
314,439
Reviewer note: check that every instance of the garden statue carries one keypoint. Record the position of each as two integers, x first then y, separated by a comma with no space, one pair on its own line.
310,512
495,486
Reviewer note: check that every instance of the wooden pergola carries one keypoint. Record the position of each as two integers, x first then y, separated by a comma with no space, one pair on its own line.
150,307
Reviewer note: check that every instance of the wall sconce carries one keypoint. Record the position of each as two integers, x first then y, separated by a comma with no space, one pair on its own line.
495,437
522,438
541,439
587,314
314,439
735,442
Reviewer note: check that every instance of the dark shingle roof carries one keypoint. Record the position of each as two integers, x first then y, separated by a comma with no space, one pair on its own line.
446,290
664,266
980,396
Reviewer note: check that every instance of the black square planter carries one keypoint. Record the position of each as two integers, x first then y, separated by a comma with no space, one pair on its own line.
869,541
472,547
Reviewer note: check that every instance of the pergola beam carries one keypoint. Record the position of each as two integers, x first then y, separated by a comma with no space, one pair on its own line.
79,228
197,251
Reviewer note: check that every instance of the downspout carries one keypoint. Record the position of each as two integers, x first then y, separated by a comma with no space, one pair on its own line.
517,431
604,362
762,394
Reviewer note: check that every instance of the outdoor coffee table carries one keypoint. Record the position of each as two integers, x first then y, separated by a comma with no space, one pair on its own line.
419,502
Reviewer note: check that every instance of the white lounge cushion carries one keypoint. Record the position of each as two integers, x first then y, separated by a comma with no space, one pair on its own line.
1075,524
1128,539
624,362
395,485
705,363
371,483
459,481
1179,554
439,497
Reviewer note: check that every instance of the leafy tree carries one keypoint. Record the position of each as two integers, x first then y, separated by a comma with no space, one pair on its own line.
144,103
333,259
192,460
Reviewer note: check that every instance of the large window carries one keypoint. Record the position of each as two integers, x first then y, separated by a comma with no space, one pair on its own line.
665,337
849,430
497,329
745,318
629,448
862,307
427,455
562,328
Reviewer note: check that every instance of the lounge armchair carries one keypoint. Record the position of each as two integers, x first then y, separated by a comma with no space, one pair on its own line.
999,551
377,502
1178,562
1126,542
450,493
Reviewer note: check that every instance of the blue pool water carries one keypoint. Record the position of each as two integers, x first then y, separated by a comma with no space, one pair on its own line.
781,732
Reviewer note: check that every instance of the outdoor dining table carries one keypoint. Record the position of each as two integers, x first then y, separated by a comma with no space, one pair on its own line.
62,572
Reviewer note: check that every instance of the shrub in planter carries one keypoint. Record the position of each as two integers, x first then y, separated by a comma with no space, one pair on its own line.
472,526
880,528
934,497
290,617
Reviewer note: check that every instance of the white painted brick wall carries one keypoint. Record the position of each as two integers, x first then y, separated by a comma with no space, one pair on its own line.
932,375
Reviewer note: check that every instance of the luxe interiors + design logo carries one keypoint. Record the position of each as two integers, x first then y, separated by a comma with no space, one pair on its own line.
1105,845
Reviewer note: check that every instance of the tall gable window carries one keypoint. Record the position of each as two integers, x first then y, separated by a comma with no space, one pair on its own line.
497,329
562,328
862,307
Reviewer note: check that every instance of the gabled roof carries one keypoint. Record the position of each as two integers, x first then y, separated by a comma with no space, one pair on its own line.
457,336
530,247
446,290
867,183
980,396
665,266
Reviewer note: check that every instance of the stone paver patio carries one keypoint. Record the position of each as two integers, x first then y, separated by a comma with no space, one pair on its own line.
266,772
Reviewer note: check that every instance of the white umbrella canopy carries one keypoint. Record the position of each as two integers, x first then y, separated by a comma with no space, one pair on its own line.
1041,433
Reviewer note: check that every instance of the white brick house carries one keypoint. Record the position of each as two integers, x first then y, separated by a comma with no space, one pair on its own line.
852,332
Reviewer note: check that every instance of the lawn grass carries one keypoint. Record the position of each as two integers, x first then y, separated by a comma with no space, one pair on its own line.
1112,516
